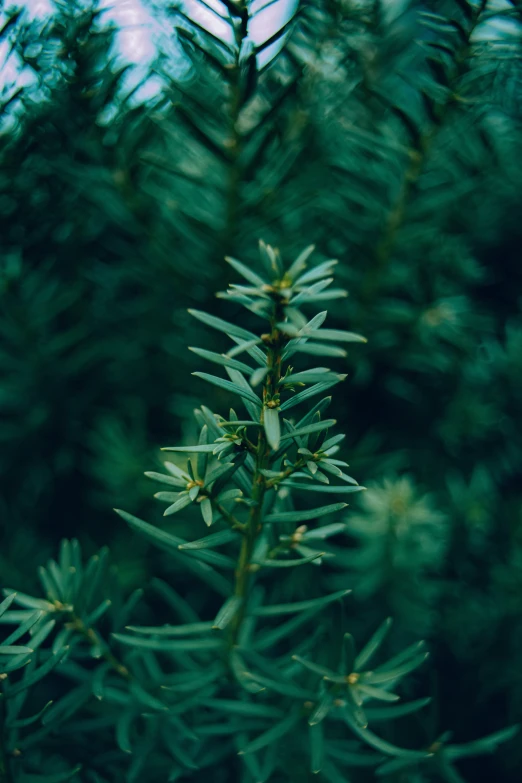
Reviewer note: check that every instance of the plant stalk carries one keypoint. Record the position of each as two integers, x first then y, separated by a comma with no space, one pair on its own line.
94,638
235,140
253,525
415,167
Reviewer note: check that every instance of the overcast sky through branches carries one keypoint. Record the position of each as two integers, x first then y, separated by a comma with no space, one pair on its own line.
143,28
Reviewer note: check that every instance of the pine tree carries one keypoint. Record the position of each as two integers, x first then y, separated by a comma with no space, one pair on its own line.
387,135
190,696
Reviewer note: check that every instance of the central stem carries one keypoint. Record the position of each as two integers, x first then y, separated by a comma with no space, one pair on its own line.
414,169
96,640
251,532
259,484
237,102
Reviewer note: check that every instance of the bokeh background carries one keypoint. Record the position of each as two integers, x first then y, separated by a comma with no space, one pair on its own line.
388,134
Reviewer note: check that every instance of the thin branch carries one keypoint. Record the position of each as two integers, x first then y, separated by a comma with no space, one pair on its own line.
275,345
412,173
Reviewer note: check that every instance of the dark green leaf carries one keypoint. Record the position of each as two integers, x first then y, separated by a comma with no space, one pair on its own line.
123,726
347,654
288,563
268,639
317,388
398,711
251,347
6,603
215,539
247,394
484,745
222,359
316,736
22,629
227,612
321,671
273,734
299,606
303,516
164,479
165,645
336,335
299,265
67,706
381,745
309,429
318,375
374,678
59,777
373,645
182,501
154,534
405,655
318,349
217,471
190,683
223,326
377,693
246,708
14,650
316,273
339,489
146,699
37,674
395,765
272,427
171,630
246,272
22,723
322,708
284,686
320,533
258,376
240,671
201,448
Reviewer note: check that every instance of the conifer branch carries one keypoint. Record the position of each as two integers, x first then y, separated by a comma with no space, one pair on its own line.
418,157
238,99
274,343
93,637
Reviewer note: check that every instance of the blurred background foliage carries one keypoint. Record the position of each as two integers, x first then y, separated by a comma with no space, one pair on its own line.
388,134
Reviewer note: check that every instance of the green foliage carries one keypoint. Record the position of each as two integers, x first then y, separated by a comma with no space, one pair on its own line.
388,135
225,681
401,545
